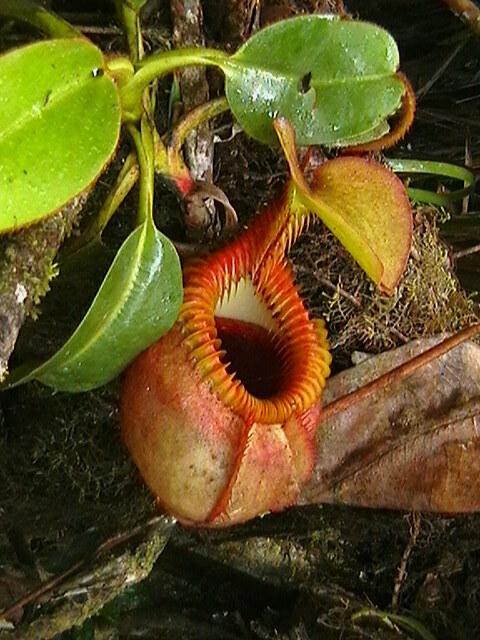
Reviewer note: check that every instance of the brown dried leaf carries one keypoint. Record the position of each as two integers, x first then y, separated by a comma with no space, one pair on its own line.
414,446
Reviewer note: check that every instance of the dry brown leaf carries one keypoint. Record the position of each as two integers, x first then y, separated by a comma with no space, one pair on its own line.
414,446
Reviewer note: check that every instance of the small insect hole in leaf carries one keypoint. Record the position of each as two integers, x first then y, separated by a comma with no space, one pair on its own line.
97,73
304,84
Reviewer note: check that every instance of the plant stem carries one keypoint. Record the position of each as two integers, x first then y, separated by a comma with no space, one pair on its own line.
35,15
405,622
126,179
143,140
187,124
160,64
131,25
187,31
170,165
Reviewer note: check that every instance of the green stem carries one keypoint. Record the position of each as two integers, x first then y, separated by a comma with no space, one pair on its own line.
160,64
131,25
161,162
195,118
430,167
126,179
34,14
175,164
143,140
129,173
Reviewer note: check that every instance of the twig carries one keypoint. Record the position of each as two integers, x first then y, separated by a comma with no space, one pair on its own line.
465,252
13,610
187,19
355,302
50,585
402,567
467,11
405,369
345,294
422,91
331,285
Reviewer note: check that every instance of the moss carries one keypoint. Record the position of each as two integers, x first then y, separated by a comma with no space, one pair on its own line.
28,256
99,585
62,464
428,300
27,266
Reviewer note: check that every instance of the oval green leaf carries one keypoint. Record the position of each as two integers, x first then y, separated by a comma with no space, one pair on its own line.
334,80
137,303
60,122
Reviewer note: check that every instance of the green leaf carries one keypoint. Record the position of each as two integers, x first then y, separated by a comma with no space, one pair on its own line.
334,80
409,623
137,303
59,126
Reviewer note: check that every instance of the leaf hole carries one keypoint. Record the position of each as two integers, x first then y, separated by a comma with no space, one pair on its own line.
304,84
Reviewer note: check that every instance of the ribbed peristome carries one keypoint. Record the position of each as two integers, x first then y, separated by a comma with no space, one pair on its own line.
259,255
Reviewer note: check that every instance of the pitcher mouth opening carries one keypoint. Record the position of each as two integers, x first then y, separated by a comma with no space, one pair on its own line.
221,414
252,354
250,336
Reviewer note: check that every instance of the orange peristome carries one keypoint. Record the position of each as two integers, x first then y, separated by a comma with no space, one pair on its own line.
220,415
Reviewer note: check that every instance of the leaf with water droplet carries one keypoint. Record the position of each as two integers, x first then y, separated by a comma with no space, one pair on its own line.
335,80
59,126
142,289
